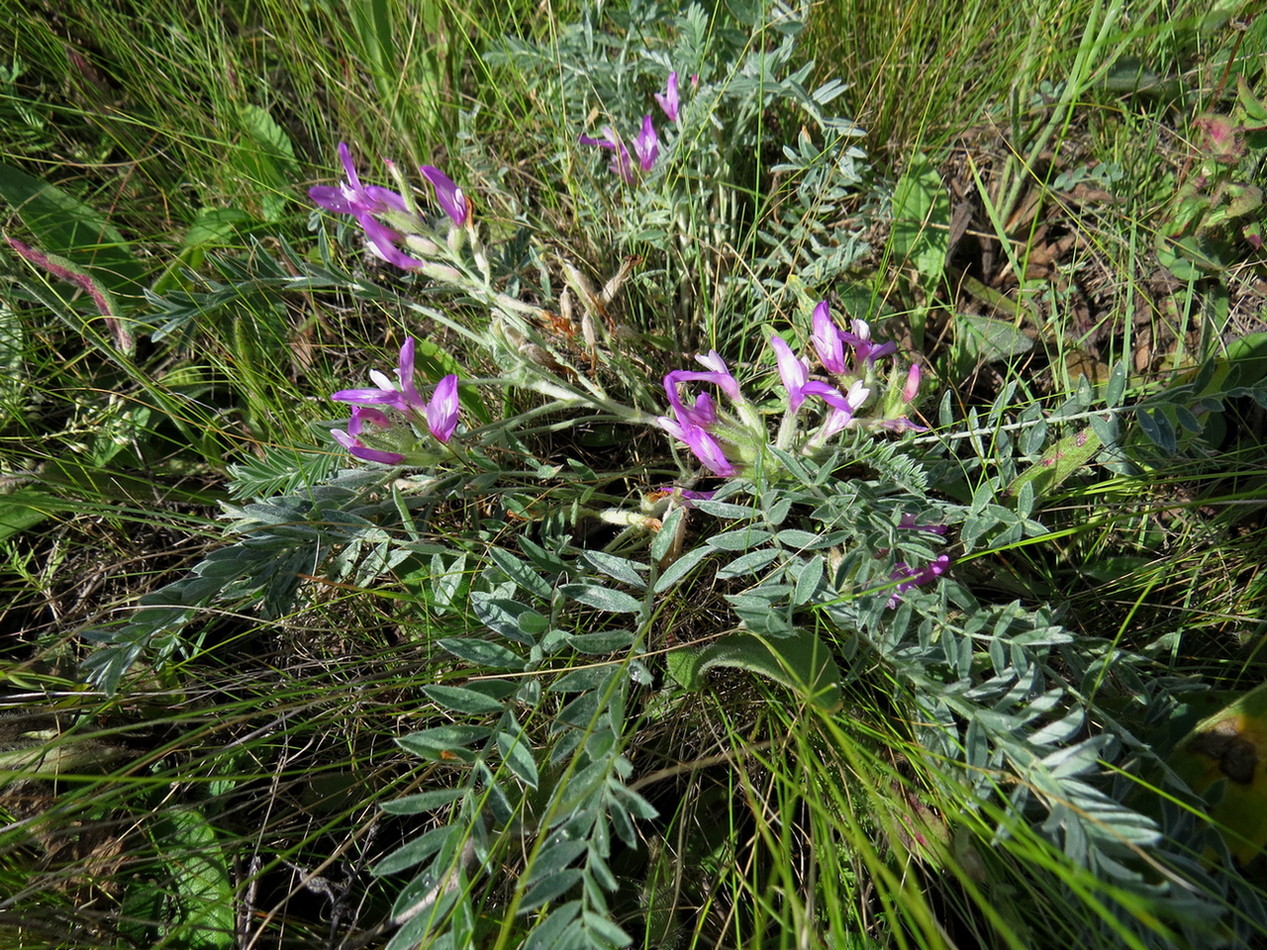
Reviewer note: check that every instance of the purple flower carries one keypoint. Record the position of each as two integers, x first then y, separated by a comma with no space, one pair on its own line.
646,145
351,197
914,577
706,448
911,388
383,241
441,411
668,99
827,341
363,202
843,409
620,157
794,372
448,195
350,440
865,350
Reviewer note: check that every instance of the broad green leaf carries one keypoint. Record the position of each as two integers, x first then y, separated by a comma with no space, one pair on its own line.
1228,749
921,218
1067,456
801,662
203,889
24,509
64,226
267,158
988,338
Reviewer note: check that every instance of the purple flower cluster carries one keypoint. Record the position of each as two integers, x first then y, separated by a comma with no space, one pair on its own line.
646,144
695,424
440,412
915,577
848,357
370,204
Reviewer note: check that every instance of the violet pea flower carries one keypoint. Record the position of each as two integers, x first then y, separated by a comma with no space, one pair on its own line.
351,197
402,396
620,157
350,440
448,195
827,341
383,241
720,373
915,577
668,99
843,409
794,372
703,414
706,448
911,388
442,410
646,145
863,347
363,202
